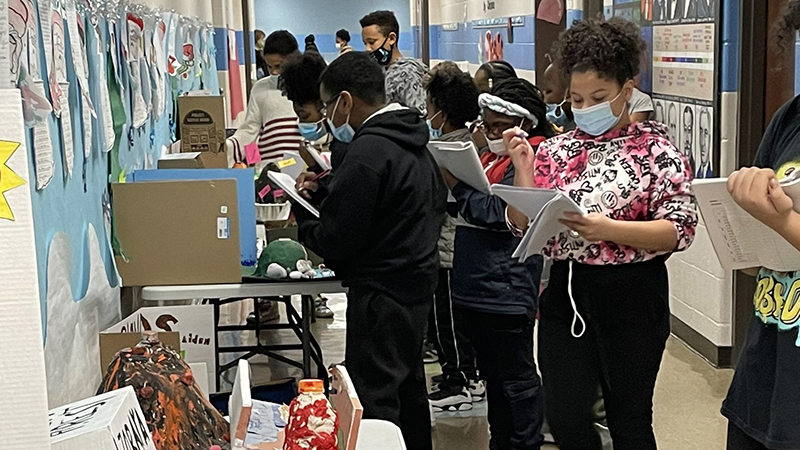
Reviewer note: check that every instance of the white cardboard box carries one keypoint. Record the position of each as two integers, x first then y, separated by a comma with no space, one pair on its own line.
195,323
112,420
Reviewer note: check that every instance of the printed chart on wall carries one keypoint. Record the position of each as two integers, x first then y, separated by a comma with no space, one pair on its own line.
684,77
680,70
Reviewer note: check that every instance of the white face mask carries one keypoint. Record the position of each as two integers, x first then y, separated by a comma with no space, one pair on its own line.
338,46
498,147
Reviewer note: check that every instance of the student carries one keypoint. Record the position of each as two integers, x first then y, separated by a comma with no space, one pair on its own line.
311,44
380,220
343,42
270,119
261,63
492,73
762,407
301,86
556,95
493,292
452,101
604,316
380,33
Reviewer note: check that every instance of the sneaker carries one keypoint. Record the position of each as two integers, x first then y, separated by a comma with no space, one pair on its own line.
451,399
268,311
321,310
478,390
430,356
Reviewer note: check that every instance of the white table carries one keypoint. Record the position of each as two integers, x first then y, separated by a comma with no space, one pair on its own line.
379,435
220,294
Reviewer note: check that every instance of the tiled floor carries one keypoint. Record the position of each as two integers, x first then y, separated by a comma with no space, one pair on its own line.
688,395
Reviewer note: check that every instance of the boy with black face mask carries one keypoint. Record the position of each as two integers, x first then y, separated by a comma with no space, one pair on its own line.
380,33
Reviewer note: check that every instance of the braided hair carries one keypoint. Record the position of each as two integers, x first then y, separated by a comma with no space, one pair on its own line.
498,71
525,94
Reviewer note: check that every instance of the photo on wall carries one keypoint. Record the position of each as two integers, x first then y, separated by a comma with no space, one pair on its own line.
660,110
703,155
672,120
688,142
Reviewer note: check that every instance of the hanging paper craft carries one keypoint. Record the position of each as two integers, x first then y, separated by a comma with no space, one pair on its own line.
172,34
59,85
106,118
134,54
77,40
36,107
5,51
18,16
158,66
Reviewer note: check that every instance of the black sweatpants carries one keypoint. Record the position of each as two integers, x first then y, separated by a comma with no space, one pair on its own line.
626,309
384,344
446,326
504,346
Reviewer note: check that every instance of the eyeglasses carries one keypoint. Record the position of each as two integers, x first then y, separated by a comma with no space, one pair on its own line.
326,105
496,130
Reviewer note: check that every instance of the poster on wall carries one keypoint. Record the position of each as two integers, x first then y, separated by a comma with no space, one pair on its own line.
680,71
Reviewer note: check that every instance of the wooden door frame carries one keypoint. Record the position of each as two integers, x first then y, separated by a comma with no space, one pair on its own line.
753,35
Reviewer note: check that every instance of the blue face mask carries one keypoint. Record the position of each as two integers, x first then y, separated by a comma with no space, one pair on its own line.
312,131
436,133
556,114
598,119
345,133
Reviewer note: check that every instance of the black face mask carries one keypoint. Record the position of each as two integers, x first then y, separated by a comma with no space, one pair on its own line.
381,55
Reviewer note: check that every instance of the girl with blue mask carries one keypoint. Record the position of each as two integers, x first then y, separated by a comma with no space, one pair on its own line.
607,301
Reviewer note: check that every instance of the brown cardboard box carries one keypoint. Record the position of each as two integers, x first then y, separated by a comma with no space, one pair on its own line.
111,343
202,123
177,232
194,160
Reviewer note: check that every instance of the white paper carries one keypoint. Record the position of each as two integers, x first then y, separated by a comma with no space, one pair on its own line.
287,183
72,345
68,145
45,22
43,150
461,159
22,371
5,48
741,241
105,98
57,61
86,116
240,404
180,156
318,158
544,208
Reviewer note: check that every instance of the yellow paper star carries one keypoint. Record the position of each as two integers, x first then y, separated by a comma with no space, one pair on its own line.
8,179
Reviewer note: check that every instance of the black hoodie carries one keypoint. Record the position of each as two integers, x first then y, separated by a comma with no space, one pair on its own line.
381,218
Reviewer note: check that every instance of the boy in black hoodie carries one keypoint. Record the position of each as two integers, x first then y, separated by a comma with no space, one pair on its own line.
380,219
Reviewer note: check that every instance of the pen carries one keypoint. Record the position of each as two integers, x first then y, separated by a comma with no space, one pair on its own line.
316,178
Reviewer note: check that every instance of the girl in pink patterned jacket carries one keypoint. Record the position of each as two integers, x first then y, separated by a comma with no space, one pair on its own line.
605,314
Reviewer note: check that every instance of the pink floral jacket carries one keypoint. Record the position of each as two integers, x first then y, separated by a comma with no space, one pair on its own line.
633,174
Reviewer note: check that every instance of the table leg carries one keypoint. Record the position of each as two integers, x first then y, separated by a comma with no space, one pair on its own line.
216,342
305,321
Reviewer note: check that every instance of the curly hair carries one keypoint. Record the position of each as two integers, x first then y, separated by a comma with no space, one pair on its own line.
523,93
453,92
611,48
785,29
300,77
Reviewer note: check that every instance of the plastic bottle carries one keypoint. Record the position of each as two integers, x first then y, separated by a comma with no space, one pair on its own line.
312,424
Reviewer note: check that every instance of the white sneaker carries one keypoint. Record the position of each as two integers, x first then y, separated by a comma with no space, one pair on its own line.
451,400
478,391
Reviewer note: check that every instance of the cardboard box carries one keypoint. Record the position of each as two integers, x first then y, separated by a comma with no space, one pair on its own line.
202,123
112,343
177,232
246,191
194,160
107,421
194,323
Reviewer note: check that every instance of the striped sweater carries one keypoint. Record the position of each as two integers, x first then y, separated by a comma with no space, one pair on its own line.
270,122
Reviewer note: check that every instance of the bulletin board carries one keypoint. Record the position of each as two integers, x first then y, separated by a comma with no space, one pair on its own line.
681,71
